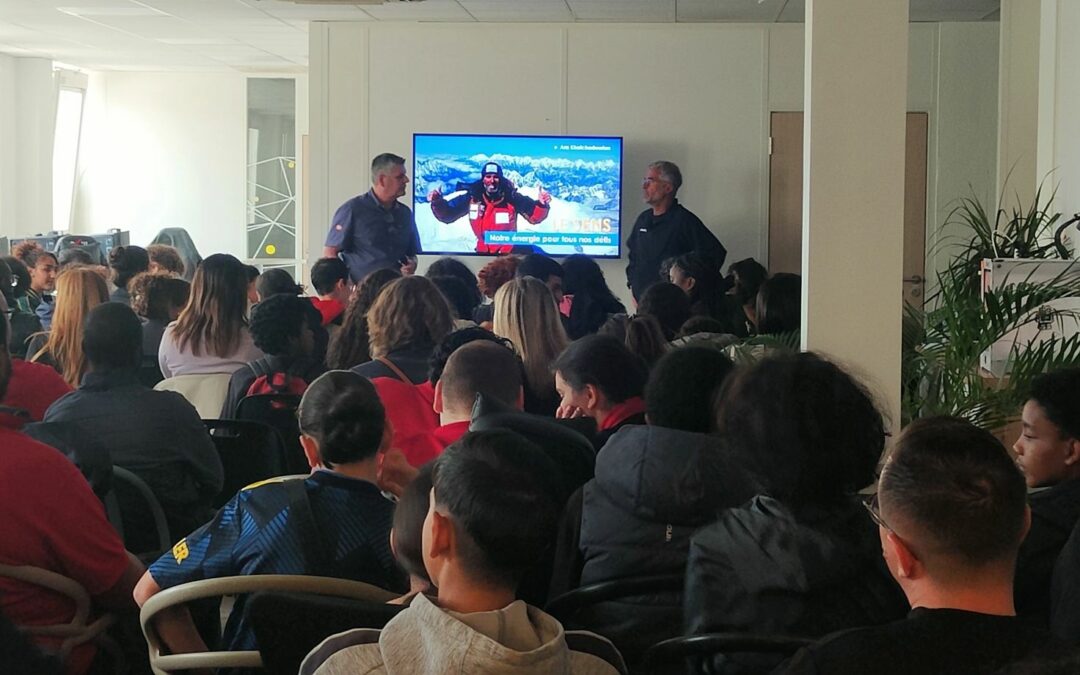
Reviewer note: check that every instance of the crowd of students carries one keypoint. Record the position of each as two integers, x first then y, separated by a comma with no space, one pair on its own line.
482,444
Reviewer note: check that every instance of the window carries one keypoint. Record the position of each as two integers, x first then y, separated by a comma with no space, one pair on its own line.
271,172
69,111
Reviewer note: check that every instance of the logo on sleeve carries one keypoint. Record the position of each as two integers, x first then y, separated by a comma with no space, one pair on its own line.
339,228
180,551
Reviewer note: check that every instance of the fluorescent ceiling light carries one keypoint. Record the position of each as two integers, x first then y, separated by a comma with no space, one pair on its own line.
111,11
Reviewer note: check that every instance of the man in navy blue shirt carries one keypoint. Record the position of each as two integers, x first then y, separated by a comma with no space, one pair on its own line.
374,230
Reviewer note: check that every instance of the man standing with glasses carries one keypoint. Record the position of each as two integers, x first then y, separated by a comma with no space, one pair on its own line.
374,230
665,230
951,510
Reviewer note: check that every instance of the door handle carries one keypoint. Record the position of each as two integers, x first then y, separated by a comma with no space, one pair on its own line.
914,280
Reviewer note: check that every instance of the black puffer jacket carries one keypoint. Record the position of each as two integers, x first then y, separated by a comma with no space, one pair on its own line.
653,488
761,568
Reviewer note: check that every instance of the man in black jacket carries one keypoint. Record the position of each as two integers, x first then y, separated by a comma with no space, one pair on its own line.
665,230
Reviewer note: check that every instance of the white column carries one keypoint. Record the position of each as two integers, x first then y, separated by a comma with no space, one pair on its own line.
1059,101
853,187
27,126
1018,102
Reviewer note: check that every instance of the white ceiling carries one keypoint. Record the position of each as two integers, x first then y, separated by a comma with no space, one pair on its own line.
271,35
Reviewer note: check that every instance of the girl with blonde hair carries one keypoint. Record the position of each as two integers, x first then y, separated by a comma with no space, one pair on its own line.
78,290
526,314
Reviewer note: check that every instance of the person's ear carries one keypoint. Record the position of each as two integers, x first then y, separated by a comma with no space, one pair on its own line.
440,540
690,281
906,562
393,544
1072,452
311,450
437,403
592,396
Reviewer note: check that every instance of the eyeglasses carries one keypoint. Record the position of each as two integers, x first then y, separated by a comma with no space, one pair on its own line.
648,179
874,509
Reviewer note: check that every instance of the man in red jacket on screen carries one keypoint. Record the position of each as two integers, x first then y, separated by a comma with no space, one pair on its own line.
493,204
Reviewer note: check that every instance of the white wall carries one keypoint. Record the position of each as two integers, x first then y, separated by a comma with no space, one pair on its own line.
700,98
1059,101
28,93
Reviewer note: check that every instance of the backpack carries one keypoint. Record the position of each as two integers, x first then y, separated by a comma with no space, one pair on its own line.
274,382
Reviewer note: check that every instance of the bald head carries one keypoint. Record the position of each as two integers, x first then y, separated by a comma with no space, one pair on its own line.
480,367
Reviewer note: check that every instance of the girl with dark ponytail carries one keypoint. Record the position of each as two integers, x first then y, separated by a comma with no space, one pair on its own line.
333,523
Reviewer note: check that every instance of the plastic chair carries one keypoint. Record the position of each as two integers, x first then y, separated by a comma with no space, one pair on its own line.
165,664
129,483
206,392
278,411
674,653
568,604
81,629
289,625
249,451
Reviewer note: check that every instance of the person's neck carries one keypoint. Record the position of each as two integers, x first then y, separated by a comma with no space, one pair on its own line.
601,414
385,201
663,207
460,594
453,416
364,470
992,596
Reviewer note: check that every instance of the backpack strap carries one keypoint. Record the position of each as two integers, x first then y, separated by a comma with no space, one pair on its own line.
394,369
316,556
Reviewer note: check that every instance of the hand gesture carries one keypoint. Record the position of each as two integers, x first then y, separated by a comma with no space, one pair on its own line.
394,472
408,268
545,196
566,412
434,194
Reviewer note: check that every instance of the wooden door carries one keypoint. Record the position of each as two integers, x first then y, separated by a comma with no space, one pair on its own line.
785,199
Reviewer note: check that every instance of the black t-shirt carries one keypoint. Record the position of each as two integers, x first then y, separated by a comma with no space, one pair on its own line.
928,641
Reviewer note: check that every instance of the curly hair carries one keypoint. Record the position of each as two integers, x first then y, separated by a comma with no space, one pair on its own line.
154,294
277,321
409,312
350,345
167,258
496,273
127,261
28,252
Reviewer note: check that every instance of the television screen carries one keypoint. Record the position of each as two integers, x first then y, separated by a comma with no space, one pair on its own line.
488,195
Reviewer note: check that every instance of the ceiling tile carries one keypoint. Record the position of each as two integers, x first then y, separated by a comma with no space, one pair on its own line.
763,11
630,11
429,10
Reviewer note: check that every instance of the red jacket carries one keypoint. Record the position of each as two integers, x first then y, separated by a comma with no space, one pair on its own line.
486,214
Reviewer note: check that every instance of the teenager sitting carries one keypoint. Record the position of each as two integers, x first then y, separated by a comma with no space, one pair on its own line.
951,513
262,529
288,329
349,346
491,516
330,277
125,262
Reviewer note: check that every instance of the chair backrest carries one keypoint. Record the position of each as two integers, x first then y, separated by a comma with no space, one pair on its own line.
675,653
601,648
278,411
250,452
131,523
178,238
289,625
73,633
165,664
568,604
206,392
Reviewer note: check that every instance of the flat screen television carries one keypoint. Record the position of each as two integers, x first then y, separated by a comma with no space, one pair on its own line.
491,194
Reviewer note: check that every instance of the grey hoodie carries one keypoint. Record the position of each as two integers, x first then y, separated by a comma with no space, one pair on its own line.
518,639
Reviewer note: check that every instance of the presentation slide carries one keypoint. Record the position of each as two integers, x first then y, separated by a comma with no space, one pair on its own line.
491,195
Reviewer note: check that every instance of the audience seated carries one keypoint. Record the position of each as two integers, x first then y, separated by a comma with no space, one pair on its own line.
492,514
80,290
276,281
125,262
801,558
20,285
330,277
655,486
598,377
158,299
75,256
526,314
489,280
252,273
1048,453
407,535
592,302
211,333
704,285
349,346
640,333
33,387
157,435
479,367
668,304
288,329
408,319
544,268
165,259
777,309
334,523
951,512
746,277
42,267
52,520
